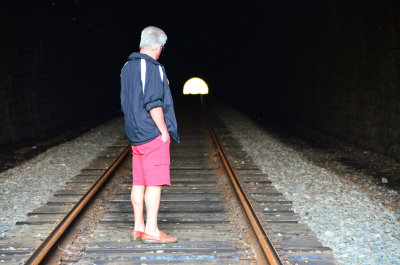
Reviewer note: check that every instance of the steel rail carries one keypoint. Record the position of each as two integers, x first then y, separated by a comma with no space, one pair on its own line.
266,244
40,253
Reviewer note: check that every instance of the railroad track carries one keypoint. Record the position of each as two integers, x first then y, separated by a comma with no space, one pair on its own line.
199,208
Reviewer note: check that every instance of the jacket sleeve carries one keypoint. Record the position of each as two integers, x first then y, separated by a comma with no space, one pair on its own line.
153,90
124,91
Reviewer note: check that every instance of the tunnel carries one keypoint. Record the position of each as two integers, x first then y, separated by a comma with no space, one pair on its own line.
304,96
333,65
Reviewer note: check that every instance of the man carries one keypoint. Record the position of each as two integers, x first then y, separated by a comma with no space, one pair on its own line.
148,109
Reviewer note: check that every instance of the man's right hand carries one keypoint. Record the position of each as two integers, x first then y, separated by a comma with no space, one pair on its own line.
158,117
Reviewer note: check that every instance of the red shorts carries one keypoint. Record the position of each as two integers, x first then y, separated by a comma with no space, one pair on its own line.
150,163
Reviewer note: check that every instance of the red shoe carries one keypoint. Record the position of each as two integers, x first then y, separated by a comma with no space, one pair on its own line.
163,238
137,235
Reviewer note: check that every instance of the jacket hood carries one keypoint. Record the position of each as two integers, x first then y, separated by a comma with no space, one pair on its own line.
138,55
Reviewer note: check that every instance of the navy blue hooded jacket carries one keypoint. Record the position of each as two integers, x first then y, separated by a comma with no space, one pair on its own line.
136,101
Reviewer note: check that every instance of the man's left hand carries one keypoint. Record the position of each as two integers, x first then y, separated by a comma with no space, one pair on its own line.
164,137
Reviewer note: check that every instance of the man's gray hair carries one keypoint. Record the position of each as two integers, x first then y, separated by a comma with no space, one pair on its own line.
152,37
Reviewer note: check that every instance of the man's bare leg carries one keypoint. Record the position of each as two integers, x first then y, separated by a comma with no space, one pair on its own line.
137,198
152,199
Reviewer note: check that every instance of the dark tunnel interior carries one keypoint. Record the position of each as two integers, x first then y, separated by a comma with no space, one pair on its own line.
333,64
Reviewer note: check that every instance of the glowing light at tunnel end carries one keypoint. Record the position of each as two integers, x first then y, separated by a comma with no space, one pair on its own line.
195,85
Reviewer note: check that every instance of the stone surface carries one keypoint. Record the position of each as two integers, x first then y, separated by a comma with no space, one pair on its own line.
351,211
30,184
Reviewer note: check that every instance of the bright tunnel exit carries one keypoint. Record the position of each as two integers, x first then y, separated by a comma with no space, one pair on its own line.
195,85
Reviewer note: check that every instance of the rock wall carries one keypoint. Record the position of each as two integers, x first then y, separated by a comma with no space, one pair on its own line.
49,65
337,69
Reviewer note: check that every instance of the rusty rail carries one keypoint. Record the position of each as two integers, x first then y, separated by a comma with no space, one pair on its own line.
267,246
40,253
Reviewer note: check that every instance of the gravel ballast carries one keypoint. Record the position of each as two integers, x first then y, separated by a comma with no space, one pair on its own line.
30,184
353,214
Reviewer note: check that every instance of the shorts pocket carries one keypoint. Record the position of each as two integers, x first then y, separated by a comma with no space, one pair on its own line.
163,156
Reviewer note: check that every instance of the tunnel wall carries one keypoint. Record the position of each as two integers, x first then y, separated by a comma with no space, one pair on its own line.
336,67
50,66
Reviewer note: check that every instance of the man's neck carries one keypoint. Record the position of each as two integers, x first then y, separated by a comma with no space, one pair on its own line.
151,53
